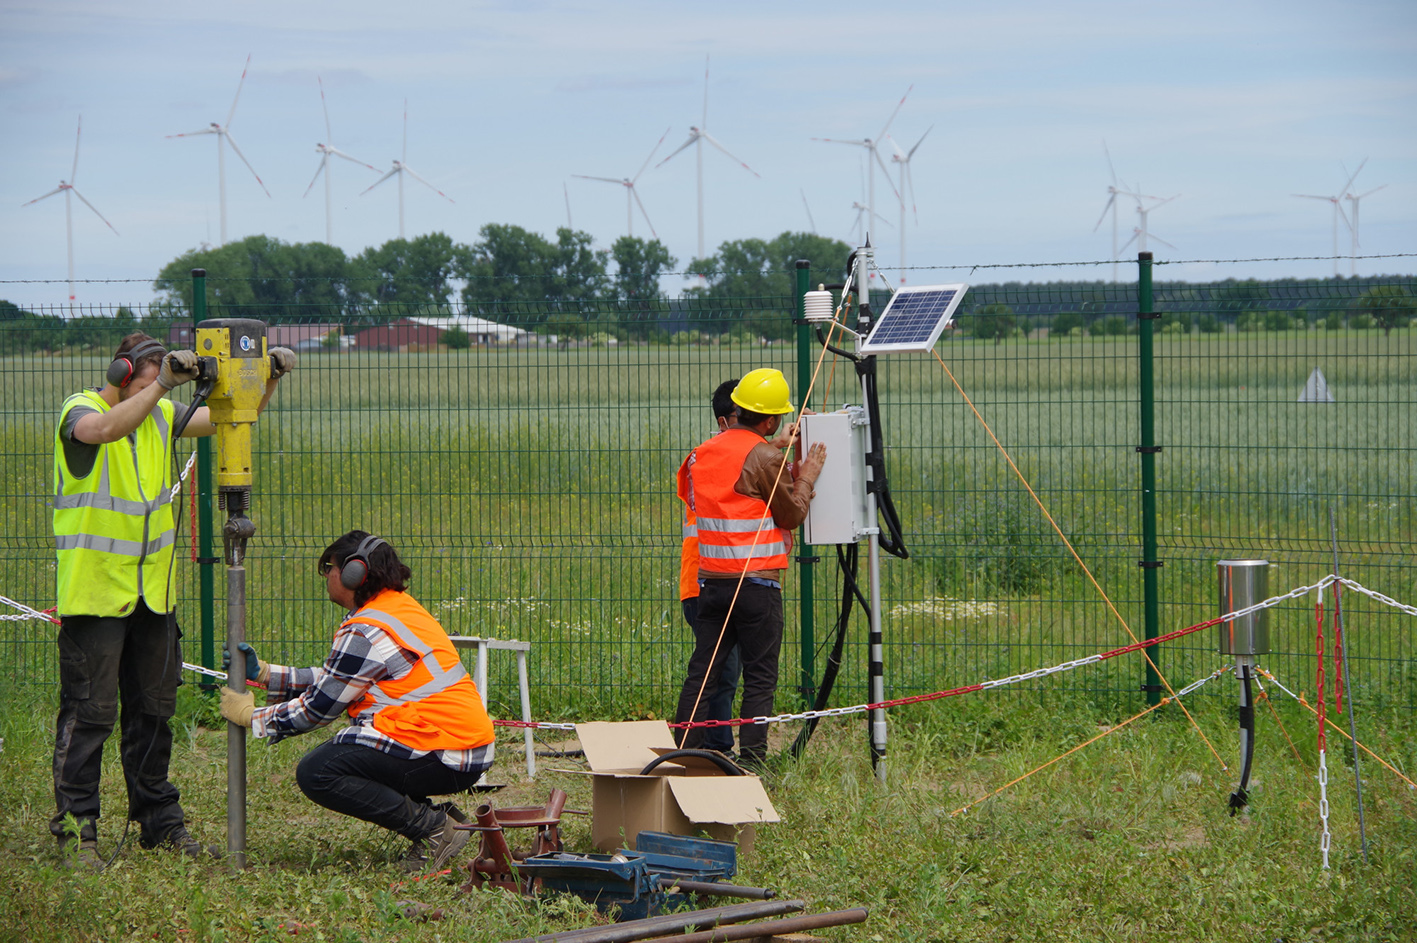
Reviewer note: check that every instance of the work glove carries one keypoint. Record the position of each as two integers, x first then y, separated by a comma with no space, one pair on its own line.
256,670
178,367
237,707
282,361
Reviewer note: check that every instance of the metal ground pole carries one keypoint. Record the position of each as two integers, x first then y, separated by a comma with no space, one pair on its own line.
236,734
876,642
1146,325
805,559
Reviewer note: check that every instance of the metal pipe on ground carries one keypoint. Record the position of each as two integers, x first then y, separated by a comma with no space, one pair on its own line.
752,931
670,923
711,889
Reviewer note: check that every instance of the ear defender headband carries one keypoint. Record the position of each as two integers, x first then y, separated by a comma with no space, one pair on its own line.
125,365
356,566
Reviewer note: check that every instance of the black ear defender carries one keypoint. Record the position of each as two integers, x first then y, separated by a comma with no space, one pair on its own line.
356,566
124,366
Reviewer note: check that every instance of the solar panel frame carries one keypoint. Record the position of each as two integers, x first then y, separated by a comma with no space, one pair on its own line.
914,318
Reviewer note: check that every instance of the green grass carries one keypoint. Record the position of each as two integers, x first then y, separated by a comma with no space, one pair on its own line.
1128,839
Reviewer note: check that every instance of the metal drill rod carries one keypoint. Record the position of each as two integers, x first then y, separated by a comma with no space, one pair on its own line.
714,889
235,733
775,928
1348,686
670,923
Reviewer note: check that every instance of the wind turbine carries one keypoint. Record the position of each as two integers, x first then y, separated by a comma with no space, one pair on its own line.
697,137
810,221
66,187
1336,200
1141,233
325,151
632,197
223,134
401,167
1353,223
1112,191
861,212
874,157
907,183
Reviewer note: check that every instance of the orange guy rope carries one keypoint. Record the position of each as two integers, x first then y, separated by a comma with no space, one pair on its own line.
1068,543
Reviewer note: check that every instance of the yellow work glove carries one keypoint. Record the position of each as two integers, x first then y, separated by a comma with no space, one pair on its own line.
237,708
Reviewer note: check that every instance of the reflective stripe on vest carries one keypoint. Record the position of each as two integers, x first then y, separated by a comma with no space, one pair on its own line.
736,533
113,528
435,705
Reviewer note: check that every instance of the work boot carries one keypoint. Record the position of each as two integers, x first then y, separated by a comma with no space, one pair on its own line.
444,842
180,840
80,854
416,858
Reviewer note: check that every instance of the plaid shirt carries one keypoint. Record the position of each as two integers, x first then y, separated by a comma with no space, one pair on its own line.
360,656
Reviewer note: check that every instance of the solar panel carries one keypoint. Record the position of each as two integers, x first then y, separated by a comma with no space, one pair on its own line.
914,318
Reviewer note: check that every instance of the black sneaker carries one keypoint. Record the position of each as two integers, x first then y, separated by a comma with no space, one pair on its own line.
180,840
81,855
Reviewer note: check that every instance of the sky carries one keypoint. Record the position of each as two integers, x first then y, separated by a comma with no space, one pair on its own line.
1230,107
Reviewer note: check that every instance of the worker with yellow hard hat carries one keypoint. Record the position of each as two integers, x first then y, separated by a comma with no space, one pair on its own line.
746,497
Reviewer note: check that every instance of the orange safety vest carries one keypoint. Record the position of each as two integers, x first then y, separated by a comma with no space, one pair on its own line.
435,706
689,557
736,533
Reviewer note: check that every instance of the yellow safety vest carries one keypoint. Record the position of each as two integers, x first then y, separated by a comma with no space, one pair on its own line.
113,529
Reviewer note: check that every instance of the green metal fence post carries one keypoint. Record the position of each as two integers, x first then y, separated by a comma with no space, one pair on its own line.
1146,323
205,559
805,560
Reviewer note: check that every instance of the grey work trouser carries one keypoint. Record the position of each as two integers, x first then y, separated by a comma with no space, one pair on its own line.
117,669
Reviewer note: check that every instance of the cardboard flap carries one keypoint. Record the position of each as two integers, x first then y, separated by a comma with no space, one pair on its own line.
623,747
727,800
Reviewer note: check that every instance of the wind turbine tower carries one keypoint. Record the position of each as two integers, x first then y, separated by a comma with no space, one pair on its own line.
697,137
1336,202
907,184
873,157
66,187
1113,190
223,136
632,196
1143,231
326,151
401,168
1353,223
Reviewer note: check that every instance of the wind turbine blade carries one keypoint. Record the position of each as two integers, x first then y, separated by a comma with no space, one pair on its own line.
911,152
353,160
232,114
693,136
1340,192
232,141
567,192
1310,196
704,123
414,174
329,135
643,213
862,142
1135,233
1110,200
709,137
650,158
812,222
75,172
1110,169
324,159
46,196
890,183
898,106
95,210
1338,207
910,186
189,134
1163,202
619,183
381,179
896,153
1353,198
1155,238
405,130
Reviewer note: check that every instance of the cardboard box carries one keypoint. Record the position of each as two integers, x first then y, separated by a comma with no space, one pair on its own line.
682,798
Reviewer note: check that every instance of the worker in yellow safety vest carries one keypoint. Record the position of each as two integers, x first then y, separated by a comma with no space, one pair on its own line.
118,635
418,727
746,498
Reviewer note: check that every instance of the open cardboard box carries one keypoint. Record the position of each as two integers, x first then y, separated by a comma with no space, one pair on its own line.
682,798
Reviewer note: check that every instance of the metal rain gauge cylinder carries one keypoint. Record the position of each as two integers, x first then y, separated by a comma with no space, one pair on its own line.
1242,584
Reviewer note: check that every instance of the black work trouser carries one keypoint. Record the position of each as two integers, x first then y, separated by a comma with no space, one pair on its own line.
755,627
390,791
123,669
721,703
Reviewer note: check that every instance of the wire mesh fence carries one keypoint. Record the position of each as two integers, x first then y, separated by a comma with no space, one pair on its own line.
524,468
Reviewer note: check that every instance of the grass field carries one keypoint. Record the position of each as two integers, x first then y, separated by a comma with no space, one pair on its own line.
1126,840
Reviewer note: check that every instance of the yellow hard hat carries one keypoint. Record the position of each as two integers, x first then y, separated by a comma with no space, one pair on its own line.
763,391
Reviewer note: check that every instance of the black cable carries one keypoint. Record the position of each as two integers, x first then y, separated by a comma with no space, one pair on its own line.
1241,796
892,540
846,557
